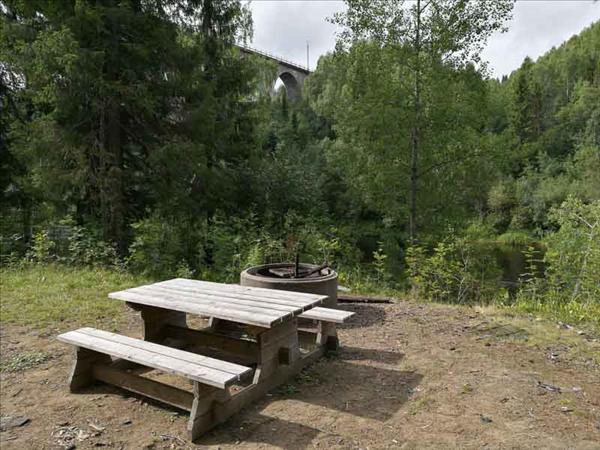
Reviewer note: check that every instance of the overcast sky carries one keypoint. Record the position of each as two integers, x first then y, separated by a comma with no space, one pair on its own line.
283,27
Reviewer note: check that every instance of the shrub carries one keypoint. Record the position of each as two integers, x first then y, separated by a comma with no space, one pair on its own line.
160,247
572,258
42,248
455,270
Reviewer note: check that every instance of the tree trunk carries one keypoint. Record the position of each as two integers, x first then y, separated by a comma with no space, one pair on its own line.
415,131
115,178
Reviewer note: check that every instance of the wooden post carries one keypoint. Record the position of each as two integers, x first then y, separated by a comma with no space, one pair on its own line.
327,336
82,370
270,342
155,320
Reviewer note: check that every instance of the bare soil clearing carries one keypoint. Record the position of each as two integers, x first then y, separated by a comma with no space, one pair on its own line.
409,376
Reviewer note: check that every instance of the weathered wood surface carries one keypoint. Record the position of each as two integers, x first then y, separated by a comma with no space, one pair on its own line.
150,388
327,315
270,343
241,347
200,368
242,304
82,369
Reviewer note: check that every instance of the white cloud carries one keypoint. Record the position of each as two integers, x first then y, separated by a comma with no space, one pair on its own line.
283,27
536,27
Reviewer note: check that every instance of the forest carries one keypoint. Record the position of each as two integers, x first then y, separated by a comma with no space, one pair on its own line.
135,135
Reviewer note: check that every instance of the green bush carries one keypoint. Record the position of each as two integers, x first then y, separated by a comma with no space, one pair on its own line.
571,285
85,248
159,247
42,248
455,270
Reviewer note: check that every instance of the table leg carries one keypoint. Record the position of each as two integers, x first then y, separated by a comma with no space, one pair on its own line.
156,319
277,346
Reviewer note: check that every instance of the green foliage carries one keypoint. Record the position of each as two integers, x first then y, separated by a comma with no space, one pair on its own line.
159,246
85,248
456,271
118,108
41,249
570,286
157,139
379,263
515,237
573,255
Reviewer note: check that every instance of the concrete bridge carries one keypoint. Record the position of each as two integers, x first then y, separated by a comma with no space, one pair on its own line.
290,73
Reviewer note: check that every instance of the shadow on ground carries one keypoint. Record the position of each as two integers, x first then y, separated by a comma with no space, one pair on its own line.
341,385
369,354
262,429
366,316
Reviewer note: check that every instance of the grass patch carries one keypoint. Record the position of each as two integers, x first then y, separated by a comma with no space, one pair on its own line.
515,237
58,296
543,334
22,361
584,315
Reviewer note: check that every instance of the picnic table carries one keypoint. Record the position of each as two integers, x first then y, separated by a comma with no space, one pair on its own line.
252,344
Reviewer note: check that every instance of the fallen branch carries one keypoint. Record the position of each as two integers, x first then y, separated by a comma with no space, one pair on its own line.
345,298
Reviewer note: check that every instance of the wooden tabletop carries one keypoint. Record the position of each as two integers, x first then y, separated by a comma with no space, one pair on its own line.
242,304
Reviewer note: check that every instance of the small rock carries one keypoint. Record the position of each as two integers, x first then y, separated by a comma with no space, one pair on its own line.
566,409
577,389
97,428
487,344
126,422
64,423
7,422
549,387
485,419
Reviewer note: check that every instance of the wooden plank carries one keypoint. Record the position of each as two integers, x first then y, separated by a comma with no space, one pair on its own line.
220,293
236,288
150,388
203,374
219,300
214,302
212,363
260,320
228,344
326,315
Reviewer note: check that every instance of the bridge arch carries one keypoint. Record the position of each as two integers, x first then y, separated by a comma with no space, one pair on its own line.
291,84
292,75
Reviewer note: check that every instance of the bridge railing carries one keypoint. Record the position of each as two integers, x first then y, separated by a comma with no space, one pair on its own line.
273,56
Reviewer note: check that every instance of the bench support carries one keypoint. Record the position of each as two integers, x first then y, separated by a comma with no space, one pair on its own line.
83,366
202,414
327,336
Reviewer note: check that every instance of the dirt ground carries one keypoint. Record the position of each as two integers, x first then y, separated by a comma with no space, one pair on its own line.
408,376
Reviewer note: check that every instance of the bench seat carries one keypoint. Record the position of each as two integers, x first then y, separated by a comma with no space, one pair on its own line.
326,315
206,370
